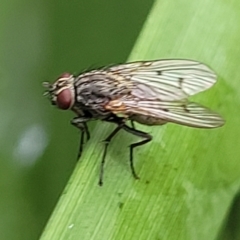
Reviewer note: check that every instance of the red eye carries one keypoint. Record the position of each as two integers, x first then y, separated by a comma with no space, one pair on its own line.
65,75
64,99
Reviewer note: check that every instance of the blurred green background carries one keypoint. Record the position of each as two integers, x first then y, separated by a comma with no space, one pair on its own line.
38,41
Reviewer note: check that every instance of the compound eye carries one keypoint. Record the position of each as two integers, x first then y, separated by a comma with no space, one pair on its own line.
65,75
64,99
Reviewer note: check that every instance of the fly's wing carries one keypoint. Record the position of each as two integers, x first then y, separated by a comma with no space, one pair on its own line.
159,91
165,80
182,112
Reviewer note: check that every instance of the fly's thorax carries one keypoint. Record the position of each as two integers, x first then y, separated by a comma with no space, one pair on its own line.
61,92
95,89
100,84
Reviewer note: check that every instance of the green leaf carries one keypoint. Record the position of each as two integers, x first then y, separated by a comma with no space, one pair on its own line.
188,177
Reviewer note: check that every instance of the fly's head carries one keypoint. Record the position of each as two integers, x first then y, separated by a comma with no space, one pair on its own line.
61,92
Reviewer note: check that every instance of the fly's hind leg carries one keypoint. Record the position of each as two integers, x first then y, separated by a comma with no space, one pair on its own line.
147,138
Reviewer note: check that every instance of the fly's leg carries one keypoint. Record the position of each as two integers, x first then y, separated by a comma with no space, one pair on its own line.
107,141
147,138
80,123
119,120
132,124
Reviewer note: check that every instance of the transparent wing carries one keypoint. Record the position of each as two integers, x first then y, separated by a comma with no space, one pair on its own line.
182,112
166,80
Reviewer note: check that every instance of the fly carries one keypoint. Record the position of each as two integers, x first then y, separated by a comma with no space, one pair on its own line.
147,92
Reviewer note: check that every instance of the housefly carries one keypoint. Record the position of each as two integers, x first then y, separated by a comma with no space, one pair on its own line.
147,92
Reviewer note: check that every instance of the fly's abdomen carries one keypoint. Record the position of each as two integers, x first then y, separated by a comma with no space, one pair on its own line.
146,120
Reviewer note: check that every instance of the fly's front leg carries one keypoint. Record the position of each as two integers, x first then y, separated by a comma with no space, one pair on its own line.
81,124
